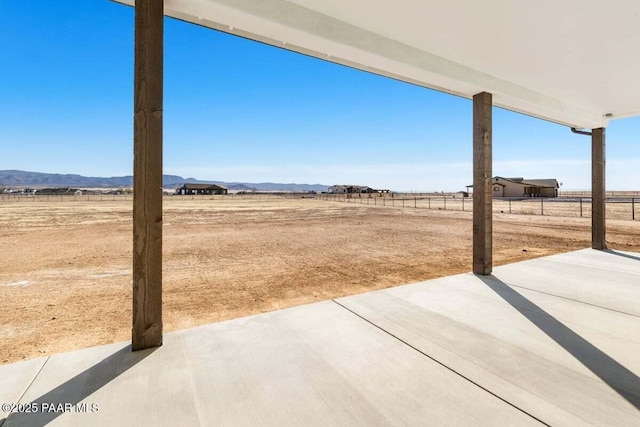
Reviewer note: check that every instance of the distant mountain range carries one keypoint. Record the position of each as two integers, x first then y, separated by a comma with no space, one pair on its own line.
16,178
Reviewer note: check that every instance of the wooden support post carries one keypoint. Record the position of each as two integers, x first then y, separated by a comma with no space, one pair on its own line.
598,189
147,172
482,191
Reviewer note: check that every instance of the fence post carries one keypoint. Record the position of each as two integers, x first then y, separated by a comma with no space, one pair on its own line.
541,206
463,204
509,205
429,200
445,203
415,202
580,207
633,208
383,202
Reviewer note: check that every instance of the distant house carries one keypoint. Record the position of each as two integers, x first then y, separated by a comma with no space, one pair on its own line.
58,191
353,189
520,187
201,189
345,189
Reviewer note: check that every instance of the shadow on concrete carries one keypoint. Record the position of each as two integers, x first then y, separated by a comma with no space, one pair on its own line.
619,378
612,252
79,387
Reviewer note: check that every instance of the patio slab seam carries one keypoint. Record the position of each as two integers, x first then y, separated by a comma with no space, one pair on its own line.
442,364
33,380
569,299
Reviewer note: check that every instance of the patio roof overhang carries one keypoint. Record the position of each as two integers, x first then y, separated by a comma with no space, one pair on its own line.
572,62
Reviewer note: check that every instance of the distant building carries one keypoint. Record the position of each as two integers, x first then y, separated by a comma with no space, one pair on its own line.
520,187
201,189
58,191
354,189
349,189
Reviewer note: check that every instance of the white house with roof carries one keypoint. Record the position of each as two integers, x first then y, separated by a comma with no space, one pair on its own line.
520,187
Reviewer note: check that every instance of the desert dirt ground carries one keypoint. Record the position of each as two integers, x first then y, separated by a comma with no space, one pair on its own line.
65,267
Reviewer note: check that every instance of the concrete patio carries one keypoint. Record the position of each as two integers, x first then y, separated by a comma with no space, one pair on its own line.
552,341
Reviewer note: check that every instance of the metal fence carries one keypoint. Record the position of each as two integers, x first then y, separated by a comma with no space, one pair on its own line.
8,197
587,193
19,197
623,208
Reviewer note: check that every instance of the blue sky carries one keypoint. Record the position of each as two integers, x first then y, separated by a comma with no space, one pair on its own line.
237,110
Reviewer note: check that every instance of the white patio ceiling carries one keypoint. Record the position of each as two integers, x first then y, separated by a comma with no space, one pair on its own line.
574,62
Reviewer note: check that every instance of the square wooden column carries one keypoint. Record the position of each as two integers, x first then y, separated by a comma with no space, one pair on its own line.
147,175
598,188
482,190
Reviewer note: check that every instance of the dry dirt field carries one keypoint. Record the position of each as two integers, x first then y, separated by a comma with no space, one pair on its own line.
65,267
